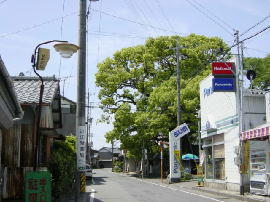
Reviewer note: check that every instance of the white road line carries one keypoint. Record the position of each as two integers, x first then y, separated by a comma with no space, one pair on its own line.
92,195
164,186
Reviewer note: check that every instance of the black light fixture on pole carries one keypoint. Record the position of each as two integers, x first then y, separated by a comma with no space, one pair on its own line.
39,60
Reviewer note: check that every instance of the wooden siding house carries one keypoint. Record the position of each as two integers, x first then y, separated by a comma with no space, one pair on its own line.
19,140
10,113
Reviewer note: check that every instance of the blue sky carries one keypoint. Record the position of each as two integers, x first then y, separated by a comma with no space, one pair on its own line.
122,23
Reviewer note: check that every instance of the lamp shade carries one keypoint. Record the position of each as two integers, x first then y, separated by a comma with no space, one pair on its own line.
66,50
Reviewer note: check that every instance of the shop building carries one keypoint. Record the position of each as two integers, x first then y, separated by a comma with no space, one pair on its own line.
220,132
259,152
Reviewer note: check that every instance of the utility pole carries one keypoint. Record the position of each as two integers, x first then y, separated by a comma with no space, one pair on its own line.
177,52
80,111
240,107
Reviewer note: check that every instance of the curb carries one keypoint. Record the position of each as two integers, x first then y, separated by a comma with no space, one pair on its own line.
238,197
243,198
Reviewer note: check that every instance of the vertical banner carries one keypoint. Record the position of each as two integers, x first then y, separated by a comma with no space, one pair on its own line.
174,155
81,148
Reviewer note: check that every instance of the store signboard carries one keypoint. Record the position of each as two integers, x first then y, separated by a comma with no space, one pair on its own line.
43,58
223,84
81,148
37,186
223,69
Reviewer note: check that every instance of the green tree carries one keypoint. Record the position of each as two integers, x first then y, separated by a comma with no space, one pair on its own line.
261,67
137,85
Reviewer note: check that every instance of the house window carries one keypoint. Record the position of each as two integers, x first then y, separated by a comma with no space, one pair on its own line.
215,159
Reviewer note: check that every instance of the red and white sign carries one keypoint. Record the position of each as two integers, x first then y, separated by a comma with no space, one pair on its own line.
259,132
223,68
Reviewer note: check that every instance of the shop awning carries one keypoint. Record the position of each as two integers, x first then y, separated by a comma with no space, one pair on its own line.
260,131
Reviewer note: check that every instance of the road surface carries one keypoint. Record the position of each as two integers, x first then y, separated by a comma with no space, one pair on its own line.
114,187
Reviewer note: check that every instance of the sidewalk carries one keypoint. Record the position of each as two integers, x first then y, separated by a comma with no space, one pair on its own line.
192,185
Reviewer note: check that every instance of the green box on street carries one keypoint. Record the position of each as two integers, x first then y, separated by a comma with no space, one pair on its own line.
37,186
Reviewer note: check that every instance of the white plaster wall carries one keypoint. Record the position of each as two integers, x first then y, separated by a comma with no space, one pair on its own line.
267,104
219,105
231,139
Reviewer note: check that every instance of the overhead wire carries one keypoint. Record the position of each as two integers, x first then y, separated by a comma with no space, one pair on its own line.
164,15
209,17
37,25
152,13
61,36
250,37
133,21
88,15
213,14
260,51
99,30
108,34
255,25
137,15
140,14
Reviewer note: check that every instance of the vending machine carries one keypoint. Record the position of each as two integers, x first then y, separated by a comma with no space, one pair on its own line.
260,167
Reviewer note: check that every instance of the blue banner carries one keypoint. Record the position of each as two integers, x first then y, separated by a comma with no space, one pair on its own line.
223,84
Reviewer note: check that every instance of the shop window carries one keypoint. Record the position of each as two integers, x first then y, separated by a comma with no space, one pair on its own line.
214,157
219,162
208,162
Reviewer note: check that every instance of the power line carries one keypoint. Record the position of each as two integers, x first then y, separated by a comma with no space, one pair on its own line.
210,18
153,13
96,33
136,13
133,21
260,51
61,33
140,10
165,16
218,18
250,37
99,30
37,25
258,23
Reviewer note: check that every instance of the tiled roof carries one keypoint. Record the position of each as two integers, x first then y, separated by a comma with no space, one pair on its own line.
28,89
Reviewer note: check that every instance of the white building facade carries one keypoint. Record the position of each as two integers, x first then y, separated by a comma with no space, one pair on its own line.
220,132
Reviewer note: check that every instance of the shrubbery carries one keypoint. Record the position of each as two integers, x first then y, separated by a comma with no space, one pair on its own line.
118,166
63,165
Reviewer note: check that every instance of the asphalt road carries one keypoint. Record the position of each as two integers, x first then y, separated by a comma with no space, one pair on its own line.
114,187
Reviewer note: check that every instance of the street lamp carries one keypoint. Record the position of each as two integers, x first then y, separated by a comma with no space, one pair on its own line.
39,59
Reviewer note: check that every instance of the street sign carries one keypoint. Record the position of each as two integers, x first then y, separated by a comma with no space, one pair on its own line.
223,84
180,131
37,186
43,58
81,143
223,69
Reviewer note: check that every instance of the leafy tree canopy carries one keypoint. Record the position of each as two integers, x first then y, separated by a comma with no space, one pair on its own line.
261,67
138,86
